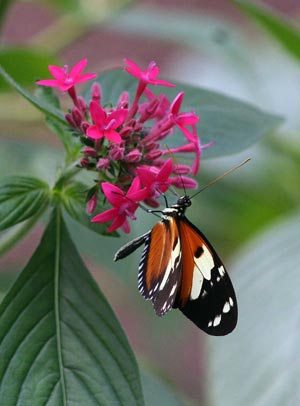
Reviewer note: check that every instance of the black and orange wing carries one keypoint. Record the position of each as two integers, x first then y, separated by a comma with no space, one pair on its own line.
160,267
206,295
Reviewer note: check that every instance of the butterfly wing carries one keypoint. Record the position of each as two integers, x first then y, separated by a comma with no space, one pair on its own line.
160,266
206,294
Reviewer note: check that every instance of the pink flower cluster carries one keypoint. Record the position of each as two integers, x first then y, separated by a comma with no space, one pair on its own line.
123,143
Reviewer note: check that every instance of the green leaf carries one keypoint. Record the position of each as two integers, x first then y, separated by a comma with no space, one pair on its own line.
4,5
74,201
259,363
20,198
279,27
61,344
25,65
70,142
39,104
232,124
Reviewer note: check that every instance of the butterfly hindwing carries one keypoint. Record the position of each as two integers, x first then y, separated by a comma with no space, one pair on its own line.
160,266
206,295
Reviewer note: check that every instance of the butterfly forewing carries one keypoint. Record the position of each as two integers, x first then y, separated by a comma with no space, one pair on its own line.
207,297
160,266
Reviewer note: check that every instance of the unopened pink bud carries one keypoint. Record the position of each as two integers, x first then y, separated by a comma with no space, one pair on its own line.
153,155
103,163
151,145
92,204
82,104
77,116
123,101
116,153
126,132
84,126
184,182
181,169
89,151
148,109
133,156
70,120
84,162
96,92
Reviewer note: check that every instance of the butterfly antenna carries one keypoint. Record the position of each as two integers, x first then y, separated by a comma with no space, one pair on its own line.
221,177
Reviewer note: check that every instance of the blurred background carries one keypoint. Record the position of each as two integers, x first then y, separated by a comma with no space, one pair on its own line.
248,50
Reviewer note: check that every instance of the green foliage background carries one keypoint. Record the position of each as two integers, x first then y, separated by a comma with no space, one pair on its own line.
251,216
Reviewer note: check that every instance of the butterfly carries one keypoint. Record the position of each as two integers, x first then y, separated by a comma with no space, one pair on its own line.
179,268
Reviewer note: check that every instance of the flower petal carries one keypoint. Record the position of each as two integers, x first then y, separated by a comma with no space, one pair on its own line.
78,68
114,195
94,132
98,114
105,216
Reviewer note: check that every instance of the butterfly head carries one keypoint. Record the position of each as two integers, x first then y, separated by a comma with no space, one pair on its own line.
184,202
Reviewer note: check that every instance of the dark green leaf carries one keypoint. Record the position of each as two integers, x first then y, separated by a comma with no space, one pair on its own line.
39,104
259,363
232,124
276,25
20,198
74,201
25,65
60,341
47,95
4,5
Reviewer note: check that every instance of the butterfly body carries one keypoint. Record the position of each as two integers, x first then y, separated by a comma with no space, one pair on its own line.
180,269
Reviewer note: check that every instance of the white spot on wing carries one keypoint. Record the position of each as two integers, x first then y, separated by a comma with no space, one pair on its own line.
196,284
205,263
221,270
226,307
231,302
217,320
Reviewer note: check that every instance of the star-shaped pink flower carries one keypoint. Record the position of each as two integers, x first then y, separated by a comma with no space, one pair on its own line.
183,119
148,75
105,124
156,180
124,205
63,79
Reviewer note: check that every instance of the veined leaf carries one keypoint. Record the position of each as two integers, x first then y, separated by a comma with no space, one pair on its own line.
20,198
60,343
261,357
233,124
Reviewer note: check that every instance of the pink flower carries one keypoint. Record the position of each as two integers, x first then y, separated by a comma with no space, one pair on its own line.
184,182
124,205
105,125
148,75
183,119
65,80
156,180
